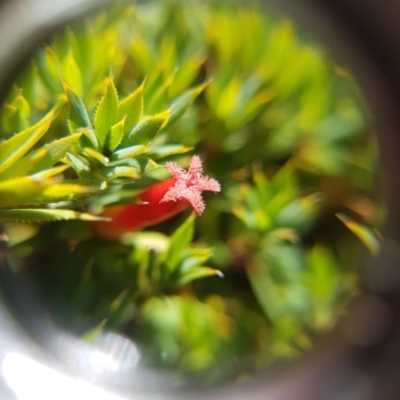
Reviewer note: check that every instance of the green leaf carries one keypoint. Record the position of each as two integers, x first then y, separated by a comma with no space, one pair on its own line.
168,150
49,173
197,273
129,152
23,111
41,159
300,213
49,68
115,136
72,73
146,130
183,102
120,172
78,116
81,168
95,333
41,215
367,236
18,191
180,240
132,108
96,155
16,147
106,113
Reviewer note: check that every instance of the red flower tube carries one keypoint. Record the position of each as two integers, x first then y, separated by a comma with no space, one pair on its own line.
160,201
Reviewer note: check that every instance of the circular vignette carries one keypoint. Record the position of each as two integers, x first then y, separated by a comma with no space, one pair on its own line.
362,33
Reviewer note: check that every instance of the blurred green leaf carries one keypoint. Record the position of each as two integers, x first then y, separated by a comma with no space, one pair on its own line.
72,73
146,130
16,147
129,152
106,113
41,159
131,108
180,239
42,215
364,233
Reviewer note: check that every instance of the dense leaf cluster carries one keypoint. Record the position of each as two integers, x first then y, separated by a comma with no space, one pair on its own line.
103,106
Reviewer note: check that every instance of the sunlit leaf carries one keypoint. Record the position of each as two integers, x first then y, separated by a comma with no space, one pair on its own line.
129,152
180,105
180,239
13,149
41,215
72,73
106,113
115,135
364,233
131,108
146,130
198,273
168,150
78,116
96,155
41,159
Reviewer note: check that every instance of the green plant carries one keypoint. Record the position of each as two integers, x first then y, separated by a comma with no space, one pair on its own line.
107,110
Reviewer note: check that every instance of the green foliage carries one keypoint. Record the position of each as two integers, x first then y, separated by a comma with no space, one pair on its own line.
104,105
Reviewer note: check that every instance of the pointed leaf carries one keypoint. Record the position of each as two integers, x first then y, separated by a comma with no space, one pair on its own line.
168,150
41,159
13,149
182,103
106,113
367,236
15,192
146,130
180,240
78,116
128,152
49,68
49,173
23,111
78,165
131,108
39,215
96,155
120,172
197,273
115,136
72,73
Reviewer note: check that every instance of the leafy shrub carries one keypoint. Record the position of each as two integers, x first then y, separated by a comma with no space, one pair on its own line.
104,106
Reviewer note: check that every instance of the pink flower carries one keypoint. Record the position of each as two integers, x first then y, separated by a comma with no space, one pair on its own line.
189,185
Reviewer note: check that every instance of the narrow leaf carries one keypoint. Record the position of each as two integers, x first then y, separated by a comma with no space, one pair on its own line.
183,102
128,152
121,172
197,273
78,165
364,233
96,155
41,215
41,159
78,116
115,136
106,113
146,130
13,149
15,192
180,239
168,150
72,73
131,108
